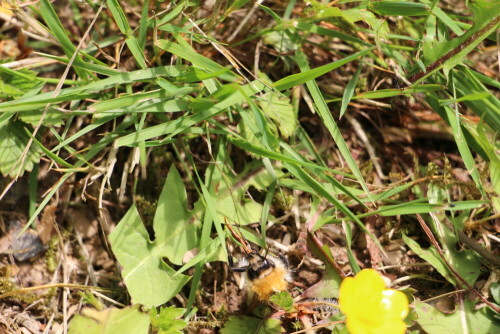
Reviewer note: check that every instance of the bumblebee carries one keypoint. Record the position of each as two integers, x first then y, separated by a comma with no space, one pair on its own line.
267,274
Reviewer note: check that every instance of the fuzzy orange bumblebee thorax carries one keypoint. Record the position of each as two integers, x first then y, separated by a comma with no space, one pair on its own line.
274,281
267,275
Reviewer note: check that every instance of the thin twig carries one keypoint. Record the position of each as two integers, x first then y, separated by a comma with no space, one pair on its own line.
434,242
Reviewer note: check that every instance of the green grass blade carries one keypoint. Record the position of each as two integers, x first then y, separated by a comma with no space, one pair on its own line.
321,191
349,92
310,74
131,41
177,126
399,8
329,123
196,59
463,148
56,28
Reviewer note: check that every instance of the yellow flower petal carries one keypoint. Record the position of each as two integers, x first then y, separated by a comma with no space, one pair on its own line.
395,303
369,307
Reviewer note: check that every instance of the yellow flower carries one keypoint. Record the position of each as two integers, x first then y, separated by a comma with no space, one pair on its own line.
369,307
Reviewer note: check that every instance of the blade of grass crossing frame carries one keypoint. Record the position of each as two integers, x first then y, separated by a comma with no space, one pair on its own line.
122,23
320,174
91,152
269,198
56,28
175,127
307,74
289,9
350,255
204,243
330,124
210,206
143,24
463,148
187,53
70,94
33,189
349,92
321,191
212,180
247,146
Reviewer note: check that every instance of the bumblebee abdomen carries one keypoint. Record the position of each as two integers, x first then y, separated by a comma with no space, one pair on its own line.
271,283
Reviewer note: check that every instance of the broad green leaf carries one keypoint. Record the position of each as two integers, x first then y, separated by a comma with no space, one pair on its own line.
495,292
110,321
7,90
149,280
280,41
16,83
250,325
432,256
477,321
172,220
256,128
13,141
279,109
328,286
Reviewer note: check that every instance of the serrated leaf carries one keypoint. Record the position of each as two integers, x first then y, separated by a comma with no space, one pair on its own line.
110,321
280,110
284,301
13,141
149,280
477,322
250,325
52,117
7,90
16,83
167,320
